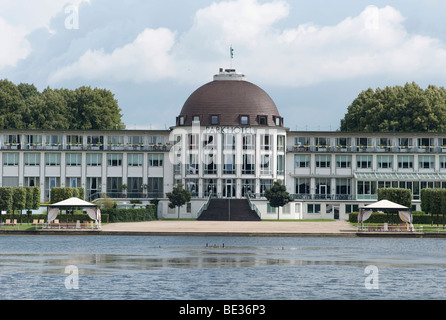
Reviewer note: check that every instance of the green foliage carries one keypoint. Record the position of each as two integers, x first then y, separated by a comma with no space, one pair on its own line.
178,197
397,195
63,193
130,215
400,109
277,196
24,107
433,200
6,199
18,198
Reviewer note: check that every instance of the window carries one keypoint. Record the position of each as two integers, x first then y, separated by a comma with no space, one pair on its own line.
156,140
426,162
322,141
405,162
349,208
405,142
323,161
262,120
209,166
443,162
248,142
33,140
53,140
280,143
209,141
301,141
73,182
425,142
343,186
248,166
94,159
51,182
181,121
193,141
156,160
32,159
193,164
196,118
215,120
134,159
134,187
73,159
265,184
114,159
302,161
363,142
115,140
343,161
244,120
52,159
280,164
366,187
343,142
302,186
385,162
114,186
229,141
95,140
277,121
313,208
155,187
265,164
364,162
383,142
11,159
74,140
136,140
229,164
266,141
32,182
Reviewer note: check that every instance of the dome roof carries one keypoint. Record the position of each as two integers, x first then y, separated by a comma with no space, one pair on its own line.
230,101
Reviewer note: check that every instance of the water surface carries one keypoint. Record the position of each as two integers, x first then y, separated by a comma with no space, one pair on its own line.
152,268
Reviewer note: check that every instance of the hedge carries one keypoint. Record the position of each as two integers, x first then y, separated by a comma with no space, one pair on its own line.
107,216
393,218
25,218
130,215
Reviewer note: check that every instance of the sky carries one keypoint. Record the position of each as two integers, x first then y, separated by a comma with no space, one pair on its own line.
312,57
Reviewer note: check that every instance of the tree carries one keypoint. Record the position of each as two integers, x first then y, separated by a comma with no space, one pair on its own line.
398,195
277,196
5,199
400,109
24,107
178,197
18,200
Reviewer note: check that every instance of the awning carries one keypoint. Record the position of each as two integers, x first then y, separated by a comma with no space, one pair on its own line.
400,176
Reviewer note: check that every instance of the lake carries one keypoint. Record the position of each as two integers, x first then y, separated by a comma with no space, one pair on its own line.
208,268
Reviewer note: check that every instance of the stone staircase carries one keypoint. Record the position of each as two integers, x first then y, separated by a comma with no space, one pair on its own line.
229,210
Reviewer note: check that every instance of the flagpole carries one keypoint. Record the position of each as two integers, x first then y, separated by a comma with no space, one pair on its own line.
231,52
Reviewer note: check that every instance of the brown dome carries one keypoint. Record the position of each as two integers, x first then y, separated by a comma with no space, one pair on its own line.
229,103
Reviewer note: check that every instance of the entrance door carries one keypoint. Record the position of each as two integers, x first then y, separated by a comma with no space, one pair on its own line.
229,189
323,191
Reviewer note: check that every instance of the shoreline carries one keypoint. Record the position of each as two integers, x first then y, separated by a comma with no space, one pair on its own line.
328,229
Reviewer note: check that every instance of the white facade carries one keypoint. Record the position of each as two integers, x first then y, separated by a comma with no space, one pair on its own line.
329,174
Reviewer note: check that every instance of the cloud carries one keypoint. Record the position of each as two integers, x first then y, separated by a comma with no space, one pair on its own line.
145,59
373,43
14,45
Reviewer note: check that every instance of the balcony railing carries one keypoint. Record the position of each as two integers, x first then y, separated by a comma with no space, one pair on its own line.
369,149
86,147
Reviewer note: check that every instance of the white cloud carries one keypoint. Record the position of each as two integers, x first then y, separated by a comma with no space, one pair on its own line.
14,45
145,59
373,43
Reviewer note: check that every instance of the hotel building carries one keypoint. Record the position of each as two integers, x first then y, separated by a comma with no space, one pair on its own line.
229,141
